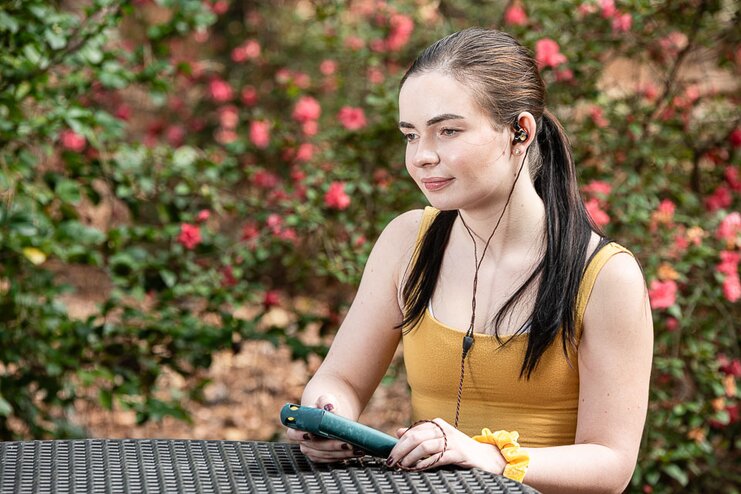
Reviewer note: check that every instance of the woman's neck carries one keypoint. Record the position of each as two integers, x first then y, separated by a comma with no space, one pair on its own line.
520,229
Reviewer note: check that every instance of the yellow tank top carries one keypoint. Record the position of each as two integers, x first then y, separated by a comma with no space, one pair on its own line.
542,409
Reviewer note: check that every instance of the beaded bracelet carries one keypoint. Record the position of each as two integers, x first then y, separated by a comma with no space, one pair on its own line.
517,458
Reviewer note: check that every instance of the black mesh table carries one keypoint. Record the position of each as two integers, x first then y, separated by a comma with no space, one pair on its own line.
189,466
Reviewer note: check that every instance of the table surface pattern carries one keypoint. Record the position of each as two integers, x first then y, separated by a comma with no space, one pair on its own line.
193,466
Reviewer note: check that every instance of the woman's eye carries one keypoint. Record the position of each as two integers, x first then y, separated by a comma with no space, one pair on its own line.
449,132
409,137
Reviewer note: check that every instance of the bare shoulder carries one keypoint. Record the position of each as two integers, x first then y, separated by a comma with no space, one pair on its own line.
405,226
619,299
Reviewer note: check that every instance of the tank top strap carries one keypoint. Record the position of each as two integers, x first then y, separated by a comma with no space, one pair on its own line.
598,261
428,216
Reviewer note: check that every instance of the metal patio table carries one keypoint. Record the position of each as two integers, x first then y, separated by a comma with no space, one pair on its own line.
194,466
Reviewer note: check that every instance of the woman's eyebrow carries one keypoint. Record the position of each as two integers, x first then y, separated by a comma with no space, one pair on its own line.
433,120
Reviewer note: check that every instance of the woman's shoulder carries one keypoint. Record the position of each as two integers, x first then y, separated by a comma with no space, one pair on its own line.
406,225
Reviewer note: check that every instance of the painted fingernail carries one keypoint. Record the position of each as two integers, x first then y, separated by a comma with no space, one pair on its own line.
389,461
307,436
358,452
329,407
345,446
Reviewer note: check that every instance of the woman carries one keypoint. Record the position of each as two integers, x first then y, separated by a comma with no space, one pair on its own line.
515,312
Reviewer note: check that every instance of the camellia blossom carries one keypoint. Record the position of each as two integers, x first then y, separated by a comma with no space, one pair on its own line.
352,118
594,210
729,228
736,137
598,187
548,53
732,287
249,50
328,67
720,199
190,236
260,133
271,298
662,294
72,141
401,30
249,95
515,15
305,152
203,215
622,23
306,109
220,90
728,263
336,197
607,8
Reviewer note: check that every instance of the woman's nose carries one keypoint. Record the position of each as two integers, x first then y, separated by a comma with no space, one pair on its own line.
425,154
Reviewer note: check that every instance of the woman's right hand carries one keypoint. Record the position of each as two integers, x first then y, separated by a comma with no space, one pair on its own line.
319,449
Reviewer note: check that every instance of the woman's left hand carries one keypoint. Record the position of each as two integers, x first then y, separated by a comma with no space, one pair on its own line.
419,447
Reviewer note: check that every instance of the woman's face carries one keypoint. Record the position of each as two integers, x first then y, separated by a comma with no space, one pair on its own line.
454,153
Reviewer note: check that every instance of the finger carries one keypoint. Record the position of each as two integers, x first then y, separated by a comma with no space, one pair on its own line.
401,431
321,456
411,440
424,454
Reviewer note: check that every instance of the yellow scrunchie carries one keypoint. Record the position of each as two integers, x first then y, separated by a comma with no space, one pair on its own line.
517,458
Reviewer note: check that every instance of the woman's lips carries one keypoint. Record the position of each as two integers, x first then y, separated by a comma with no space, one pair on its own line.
433,184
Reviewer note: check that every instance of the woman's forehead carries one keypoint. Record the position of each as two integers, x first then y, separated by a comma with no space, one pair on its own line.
424,96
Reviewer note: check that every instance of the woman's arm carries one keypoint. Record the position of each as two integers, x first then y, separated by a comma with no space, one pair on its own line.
366,341
615,355
614,368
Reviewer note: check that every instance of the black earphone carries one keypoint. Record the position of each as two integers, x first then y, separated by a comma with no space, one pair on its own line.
521,134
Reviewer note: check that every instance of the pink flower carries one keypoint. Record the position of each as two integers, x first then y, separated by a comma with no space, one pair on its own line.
401,30
228,117
336,198
586,9
305,152
672,43
736,137
732,368
249,50
271,298
729,228
220,90
249,95
662,294
310,128
250,231
123,111
265,179
328,67
302,80
227,277
597,117
564,75
515,15
354,43
190,236
306,109
622,23
720,199
203,215
72,141
274,223
732,288
728,263
607,8
175,135
599,217
220,7
352,118
548,53
598,187
731,174
375,76
671,324
260,133
225,136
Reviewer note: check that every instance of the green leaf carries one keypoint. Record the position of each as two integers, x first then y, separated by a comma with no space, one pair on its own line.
56,41
184,156
8,23
676,473
68,191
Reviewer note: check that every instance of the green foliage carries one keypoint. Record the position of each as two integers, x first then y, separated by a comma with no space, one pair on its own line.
233,194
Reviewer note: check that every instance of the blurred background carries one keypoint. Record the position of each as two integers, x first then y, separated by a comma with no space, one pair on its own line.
189,190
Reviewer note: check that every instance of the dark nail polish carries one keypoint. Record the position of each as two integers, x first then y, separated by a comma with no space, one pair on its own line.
307,436
329,407
345,446
358,452
389,461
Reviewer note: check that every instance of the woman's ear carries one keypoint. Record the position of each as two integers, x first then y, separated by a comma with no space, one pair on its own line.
524,129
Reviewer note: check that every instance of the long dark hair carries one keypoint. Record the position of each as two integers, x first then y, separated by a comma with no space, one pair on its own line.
505,81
